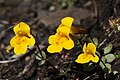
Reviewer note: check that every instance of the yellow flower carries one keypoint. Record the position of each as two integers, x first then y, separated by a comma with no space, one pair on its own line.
61,39
23,38
58,42
88,55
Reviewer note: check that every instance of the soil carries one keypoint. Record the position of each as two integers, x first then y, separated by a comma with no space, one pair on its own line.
44,16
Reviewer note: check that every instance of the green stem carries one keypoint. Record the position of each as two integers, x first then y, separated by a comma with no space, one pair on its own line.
46,61
36,39
104,65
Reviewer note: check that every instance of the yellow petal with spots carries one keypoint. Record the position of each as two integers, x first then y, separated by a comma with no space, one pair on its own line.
91,47
21,27
83,58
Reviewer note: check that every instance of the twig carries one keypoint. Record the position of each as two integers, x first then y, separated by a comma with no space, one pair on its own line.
7,29
27,67
8,61
106,38
114,8
2,55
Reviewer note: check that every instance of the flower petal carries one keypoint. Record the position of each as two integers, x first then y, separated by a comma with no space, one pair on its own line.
20,49
13,41
51,39
83,58
21,27
69,44
95,58
54,48
84,48
63,30
31,41
67,21
91,47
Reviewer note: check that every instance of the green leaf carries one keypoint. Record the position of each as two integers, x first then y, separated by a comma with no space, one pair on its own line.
117,56
98,53
41,62
103,59
108,48
43,54
39,57
95,40
102,65
108,67
105,67
110,57
115,72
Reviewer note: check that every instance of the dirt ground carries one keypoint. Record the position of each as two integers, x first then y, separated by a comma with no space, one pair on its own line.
44,16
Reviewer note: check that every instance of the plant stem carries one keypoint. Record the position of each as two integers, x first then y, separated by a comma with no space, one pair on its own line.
104,65
46,61
36,39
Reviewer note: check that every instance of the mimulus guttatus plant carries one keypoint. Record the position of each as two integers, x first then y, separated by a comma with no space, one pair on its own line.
61,39
88,55
22,38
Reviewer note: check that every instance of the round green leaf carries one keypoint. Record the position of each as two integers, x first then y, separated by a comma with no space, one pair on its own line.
110,57
108,48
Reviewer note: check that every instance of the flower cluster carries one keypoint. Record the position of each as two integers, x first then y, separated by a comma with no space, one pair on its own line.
61,39
22,38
